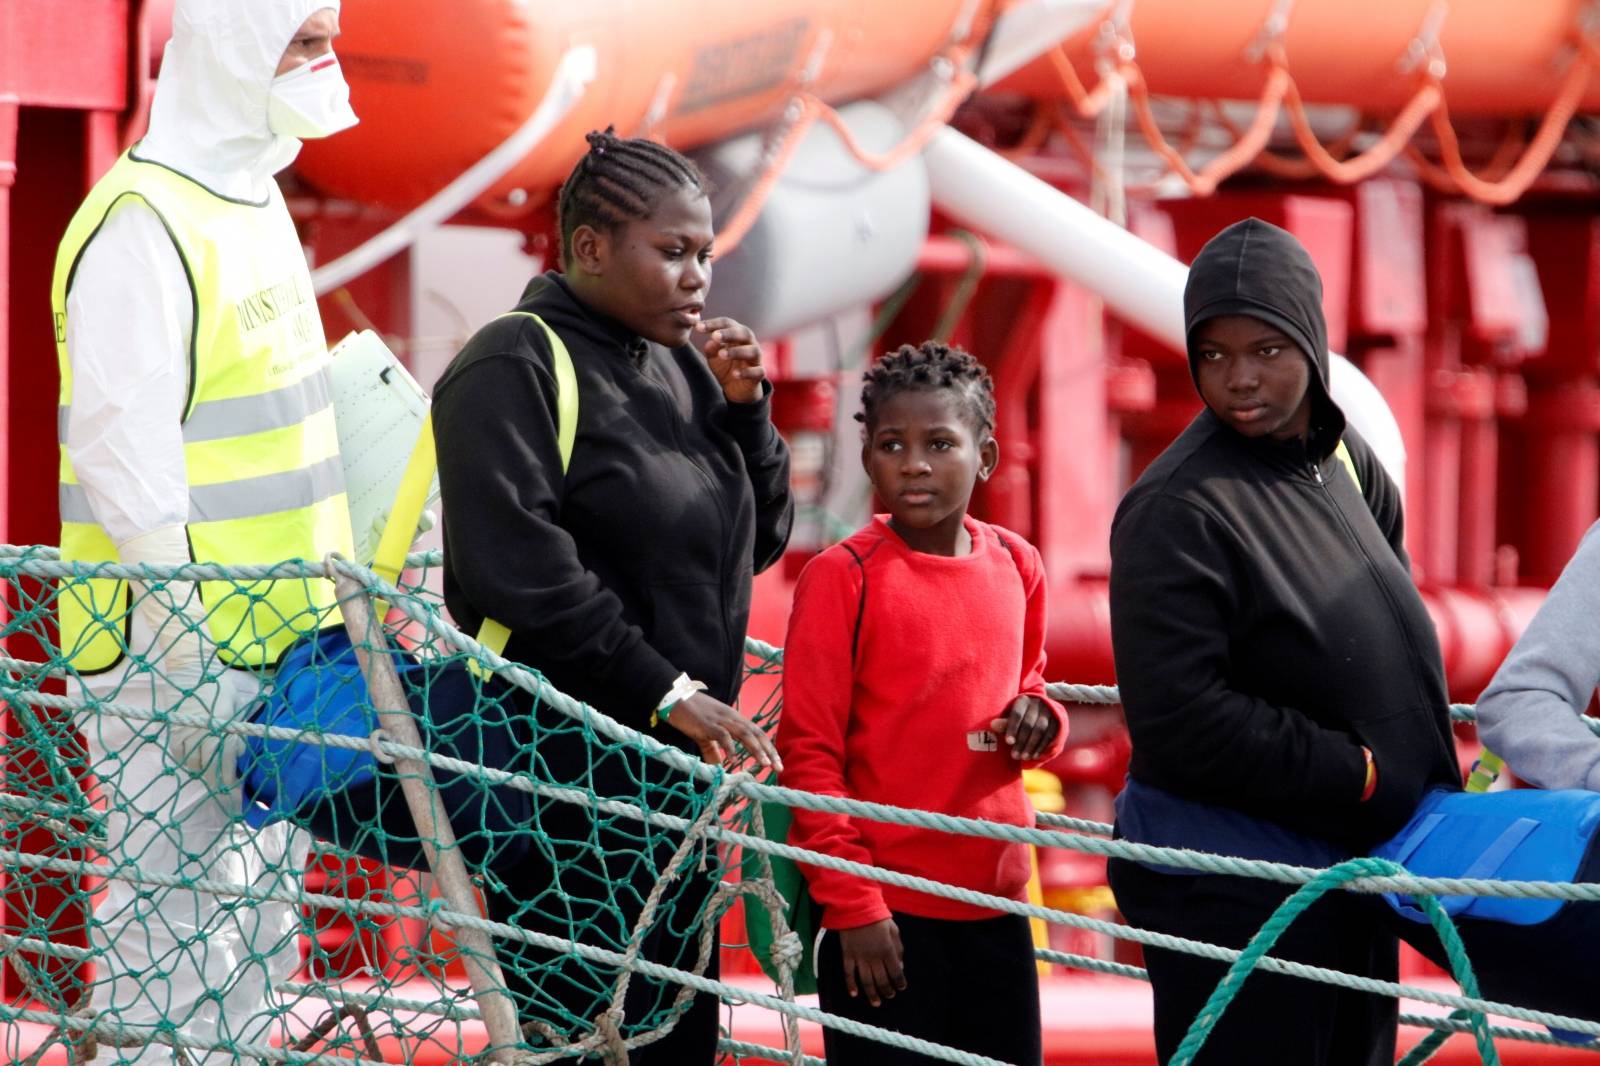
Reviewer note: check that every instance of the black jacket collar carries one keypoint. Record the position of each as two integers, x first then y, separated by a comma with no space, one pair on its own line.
549,294
1290,456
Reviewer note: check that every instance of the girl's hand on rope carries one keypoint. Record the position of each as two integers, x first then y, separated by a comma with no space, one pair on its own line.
734,356
715,726
874,961
1029,727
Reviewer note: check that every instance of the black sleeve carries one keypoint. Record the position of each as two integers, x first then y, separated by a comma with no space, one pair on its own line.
766,457
1381,494
1175,588
500,482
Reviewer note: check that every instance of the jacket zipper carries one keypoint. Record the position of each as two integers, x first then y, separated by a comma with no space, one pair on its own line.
722,511
1372,568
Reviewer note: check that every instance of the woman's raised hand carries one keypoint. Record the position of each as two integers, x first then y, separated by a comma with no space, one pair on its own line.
715,726
734,355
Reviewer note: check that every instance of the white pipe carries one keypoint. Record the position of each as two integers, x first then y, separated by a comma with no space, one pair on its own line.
1139,282
572,77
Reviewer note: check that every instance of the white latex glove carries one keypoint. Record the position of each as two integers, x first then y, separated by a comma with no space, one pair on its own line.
425,523
183,662
206,751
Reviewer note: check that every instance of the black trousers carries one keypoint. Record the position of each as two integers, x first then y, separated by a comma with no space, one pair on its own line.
969,985
555,867
565,990
1273,1018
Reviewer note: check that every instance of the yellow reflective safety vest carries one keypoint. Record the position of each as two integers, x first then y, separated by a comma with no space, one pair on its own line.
260,447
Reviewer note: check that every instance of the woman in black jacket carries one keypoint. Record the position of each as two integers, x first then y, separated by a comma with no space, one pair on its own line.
626,579
1281,678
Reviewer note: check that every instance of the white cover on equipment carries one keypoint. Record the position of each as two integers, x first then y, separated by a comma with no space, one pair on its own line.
379,409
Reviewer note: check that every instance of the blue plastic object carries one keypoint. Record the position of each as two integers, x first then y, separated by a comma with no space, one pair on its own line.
318,688
1516,835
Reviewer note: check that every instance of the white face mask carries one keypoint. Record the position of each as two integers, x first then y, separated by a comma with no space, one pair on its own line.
310,101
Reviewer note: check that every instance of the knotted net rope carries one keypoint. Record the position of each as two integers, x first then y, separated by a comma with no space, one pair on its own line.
600,860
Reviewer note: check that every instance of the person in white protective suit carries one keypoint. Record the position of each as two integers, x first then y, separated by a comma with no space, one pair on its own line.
196,423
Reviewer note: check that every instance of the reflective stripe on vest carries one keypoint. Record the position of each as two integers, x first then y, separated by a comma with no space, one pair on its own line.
261,451
292,490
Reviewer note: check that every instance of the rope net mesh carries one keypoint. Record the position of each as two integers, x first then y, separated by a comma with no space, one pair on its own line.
156,910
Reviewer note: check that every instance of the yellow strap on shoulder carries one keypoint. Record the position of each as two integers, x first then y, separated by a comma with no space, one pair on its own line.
406,511
1343,455
566,389
492,634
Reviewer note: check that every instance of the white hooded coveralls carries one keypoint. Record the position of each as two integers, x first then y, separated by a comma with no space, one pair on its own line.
203,963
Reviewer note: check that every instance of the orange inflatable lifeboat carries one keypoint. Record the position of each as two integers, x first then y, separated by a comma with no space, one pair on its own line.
438,86
1499,57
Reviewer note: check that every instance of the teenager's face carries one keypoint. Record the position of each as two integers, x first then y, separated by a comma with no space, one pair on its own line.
653,274
924,455
1253,377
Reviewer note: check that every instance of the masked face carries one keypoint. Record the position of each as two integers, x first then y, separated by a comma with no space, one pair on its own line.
310,101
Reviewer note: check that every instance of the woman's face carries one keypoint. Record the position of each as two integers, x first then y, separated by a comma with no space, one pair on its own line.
653,274
1253,377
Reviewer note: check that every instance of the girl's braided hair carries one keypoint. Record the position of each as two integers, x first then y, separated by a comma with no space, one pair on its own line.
929,365
619,180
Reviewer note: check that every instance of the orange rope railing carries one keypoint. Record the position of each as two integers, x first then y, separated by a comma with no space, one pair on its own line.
1089,103
961,85
1230,161
1425,102
1538,152
806,108
1512,145
1501,182
1298,169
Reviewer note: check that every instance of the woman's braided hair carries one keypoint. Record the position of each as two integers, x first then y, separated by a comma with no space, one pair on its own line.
929,365
619,180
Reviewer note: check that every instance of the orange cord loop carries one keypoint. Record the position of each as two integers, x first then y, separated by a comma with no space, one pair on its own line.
1501,183
806,108
1535,157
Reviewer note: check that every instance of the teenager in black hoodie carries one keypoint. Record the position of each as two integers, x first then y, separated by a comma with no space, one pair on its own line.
1281,678
625,578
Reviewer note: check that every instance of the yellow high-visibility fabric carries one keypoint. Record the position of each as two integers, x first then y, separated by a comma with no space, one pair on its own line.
260,448
1342,454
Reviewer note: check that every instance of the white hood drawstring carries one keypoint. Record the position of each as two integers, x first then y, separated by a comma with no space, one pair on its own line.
209,119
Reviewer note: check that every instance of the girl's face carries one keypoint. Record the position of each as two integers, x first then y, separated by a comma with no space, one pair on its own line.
924,455
1253,377
652,274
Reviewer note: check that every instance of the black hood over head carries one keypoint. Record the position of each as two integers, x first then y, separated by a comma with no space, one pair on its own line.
1255,268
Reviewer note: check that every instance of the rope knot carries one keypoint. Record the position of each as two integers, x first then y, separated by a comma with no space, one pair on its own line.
608,1028
788,950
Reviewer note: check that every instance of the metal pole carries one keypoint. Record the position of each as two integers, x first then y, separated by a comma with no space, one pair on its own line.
433,824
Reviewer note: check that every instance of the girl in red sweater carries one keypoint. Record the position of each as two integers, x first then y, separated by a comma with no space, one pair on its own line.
914,676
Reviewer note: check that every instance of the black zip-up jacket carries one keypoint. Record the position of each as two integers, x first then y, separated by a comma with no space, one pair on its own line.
1263,616
637,564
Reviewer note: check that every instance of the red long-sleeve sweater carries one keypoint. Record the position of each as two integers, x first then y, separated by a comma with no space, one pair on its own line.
885,690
